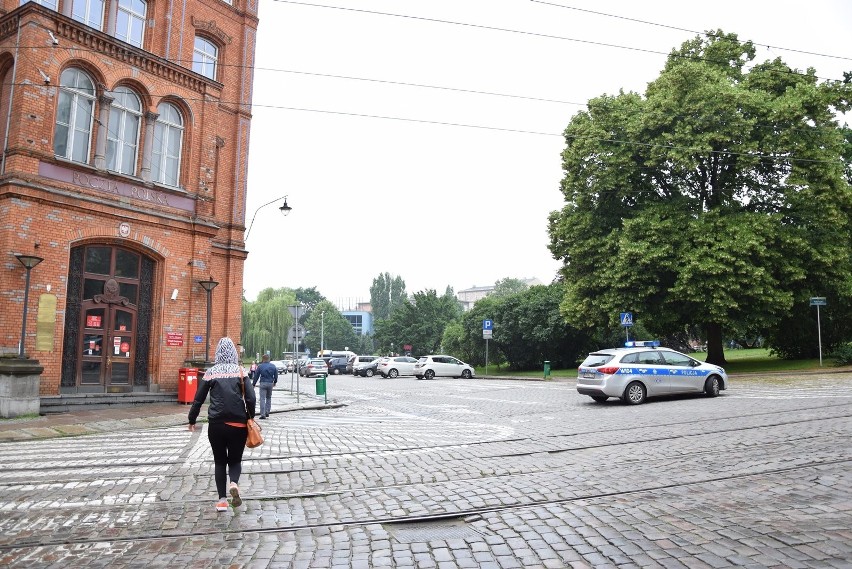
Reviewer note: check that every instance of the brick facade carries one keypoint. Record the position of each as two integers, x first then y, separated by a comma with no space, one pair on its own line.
190,230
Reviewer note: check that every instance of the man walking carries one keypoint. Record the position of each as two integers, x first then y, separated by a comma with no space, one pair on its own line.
267,376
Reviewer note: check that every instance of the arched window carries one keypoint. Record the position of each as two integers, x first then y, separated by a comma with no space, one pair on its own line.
204,57
74,114
125,117
130,21
90,12
167,145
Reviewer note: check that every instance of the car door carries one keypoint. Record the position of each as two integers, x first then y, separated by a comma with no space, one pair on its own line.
683,376
652,367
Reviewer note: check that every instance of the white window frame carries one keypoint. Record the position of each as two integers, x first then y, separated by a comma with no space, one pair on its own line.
70,90
205,57
126,105
95,20
130,10
169,126
52,4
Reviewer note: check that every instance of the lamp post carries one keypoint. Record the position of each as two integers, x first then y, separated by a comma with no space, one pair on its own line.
28,261
208,285
322,332
284,209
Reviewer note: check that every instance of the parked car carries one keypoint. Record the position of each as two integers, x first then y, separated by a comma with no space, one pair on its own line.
356,360
428,367
280,366
367,369
397,365
312,367
642,370
336,366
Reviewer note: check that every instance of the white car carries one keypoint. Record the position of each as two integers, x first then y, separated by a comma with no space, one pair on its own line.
397,365
642,370
428,367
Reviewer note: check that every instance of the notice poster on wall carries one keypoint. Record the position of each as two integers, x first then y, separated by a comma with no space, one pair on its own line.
93,321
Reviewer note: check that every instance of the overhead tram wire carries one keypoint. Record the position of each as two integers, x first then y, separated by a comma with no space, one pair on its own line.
705,34
528,33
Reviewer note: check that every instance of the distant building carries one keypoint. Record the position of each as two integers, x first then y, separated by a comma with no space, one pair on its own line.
468,297
361,320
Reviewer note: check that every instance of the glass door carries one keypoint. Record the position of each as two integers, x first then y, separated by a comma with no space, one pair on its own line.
109,309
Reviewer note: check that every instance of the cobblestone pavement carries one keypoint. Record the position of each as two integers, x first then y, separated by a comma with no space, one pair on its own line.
454,473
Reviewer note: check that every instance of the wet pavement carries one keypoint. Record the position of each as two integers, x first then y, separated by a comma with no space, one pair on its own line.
448,474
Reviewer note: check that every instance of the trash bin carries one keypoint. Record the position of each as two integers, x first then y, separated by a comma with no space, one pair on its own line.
321,385
187,384
546,369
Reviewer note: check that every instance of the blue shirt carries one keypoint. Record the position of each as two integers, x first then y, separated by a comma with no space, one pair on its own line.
266,373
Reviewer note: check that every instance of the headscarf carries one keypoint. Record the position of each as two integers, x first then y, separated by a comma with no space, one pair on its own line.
227,361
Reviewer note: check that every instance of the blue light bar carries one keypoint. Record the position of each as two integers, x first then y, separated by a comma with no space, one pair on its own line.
642,344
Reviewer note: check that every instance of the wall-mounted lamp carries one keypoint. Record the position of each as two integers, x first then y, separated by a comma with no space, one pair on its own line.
284,209
28,261
208,285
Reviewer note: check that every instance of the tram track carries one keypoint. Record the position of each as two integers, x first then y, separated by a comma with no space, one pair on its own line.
461,513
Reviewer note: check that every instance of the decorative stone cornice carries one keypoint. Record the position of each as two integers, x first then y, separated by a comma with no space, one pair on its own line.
211,27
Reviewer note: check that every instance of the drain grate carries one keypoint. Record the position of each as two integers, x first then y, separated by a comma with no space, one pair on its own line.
442,530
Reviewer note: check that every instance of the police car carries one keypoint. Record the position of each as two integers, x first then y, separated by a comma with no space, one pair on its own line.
644,369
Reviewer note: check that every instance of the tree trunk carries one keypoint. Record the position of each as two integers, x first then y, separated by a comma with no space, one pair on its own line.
715,349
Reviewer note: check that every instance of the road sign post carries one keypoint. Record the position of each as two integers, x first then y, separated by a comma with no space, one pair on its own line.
626,319
487,330
819,301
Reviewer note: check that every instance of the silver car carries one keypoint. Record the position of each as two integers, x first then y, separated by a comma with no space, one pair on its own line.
642,370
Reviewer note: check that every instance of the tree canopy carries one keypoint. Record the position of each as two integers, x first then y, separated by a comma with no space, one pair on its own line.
386,294
719,198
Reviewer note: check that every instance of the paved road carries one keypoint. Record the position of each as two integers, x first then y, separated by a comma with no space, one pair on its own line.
454,473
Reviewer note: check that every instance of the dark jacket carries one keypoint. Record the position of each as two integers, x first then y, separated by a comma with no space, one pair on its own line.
226,400
266,373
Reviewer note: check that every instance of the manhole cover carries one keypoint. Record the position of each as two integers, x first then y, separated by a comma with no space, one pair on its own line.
442,530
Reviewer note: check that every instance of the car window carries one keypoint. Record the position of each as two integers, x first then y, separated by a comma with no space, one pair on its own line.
423,360
597,360
650,358
454,361
630,359
676,359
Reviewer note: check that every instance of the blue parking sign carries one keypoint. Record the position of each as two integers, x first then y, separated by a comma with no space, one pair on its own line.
487,324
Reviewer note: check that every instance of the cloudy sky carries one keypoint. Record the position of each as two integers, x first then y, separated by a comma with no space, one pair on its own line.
422,137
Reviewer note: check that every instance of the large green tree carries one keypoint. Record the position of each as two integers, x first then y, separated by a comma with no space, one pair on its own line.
326,327
719,198
387,293
419,323
265,322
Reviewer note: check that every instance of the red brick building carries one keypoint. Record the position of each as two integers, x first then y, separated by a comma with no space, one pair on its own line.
125,132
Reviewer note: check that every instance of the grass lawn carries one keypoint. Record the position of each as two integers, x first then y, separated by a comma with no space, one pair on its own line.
754,360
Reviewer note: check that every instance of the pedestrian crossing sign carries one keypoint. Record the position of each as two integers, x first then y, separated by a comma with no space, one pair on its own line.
626,319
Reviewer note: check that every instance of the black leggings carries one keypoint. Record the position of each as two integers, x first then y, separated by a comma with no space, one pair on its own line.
228,444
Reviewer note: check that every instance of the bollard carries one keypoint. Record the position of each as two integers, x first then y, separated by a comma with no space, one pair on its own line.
546,369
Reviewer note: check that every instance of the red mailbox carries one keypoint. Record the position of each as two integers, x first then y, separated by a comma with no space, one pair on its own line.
187,384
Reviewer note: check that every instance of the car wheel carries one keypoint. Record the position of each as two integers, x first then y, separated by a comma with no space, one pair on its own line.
336,371
393,374
369,373
466,374
711,386
634,394
429,374
599,398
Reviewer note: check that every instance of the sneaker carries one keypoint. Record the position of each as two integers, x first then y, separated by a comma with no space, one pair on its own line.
262,417
235,495
222,505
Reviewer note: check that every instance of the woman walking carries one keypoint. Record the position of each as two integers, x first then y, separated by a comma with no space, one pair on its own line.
232,403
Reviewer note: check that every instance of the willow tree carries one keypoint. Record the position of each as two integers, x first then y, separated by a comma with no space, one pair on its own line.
265,322
717,198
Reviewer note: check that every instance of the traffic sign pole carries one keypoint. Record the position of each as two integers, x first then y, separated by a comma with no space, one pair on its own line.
819,301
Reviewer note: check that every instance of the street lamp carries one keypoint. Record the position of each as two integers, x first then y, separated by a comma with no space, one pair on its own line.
28,261
322,332
284,209
208,285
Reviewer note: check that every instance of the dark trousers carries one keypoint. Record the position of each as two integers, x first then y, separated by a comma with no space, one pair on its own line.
265,390
228,444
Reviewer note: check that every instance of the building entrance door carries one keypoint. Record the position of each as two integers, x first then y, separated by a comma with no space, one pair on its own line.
109,319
